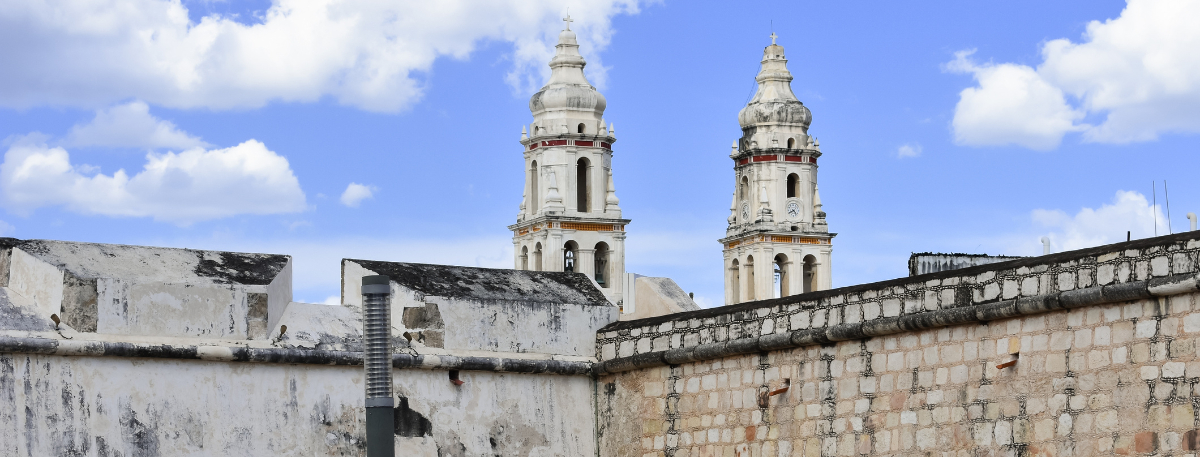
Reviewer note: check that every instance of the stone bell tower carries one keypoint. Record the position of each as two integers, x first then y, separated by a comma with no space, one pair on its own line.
569,218
777,243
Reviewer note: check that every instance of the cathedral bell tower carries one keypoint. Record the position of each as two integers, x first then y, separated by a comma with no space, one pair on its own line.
777,243
569,218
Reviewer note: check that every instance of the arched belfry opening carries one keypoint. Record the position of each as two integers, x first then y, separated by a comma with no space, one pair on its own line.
793,185
780,265
750,284
735,273
537,257
580,128
570,255
791,144
583,191
601,261
524,257
810,273
534,201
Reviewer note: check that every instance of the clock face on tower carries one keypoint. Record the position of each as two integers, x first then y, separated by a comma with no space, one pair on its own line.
745,212
793,209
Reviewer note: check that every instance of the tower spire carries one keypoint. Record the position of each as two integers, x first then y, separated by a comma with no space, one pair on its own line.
570,219
775,172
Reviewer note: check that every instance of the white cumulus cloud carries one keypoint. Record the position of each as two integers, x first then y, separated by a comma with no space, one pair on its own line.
909,150
131,125
365,54
1128,212
181,188
1011,105
1137,76
355,193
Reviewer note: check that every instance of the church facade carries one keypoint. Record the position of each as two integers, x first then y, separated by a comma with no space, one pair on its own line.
778,242
569,219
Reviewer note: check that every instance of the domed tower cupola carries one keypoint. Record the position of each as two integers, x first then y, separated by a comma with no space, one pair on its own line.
567,99
778,241
774,108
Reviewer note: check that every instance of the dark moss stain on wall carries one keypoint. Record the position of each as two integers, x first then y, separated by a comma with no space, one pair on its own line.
410,423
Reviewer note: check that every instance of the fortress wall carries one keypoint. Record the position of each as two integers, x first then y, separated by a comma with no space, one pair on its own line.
1104,341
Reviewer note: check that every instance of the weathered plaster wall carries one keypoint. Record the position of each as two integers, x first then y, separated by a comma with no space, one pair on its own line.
1107,364
483,309
657,297
109,406
930,262
191,357
148,291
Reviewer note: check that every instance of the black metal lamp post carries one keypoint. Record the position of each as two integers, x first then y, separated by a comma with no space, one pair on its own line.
377,359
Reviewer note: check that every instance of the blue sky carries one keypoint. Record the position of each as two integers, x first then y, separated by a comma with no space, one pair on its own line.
946,126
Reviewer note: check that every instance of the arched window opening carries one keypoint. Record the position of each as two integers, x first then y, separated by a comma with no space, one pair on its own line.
580,129
735,281
583,192
793,185
810,273
750,278
524,257
791,143
537,257
534,201
602,264
570,251
781,276
536,129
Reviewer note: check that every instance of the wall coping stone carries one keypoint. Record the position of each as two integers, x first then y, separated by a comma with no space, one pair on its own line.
1062,281
51,346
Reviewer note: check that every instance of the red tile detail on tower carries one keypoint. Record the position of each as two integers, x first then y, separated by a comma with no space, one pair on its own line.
533,146
743,161
794,159
812,160
766,158
605,145
554,143
585,143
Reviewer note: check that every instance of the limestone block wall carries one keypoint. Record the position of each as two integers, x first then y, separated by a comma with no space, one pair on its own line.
1106,363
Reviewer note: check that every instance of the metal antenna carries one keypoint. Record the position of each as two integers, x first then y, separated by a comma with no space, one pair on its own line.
1154,205
1167,196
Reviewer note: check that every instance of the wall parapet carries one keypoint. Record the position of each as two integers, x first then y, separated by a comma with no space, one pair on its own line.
1122,272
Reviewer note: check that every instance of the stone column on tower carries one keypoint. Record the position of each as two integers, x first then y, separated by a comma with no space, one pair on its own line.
570,208
777,242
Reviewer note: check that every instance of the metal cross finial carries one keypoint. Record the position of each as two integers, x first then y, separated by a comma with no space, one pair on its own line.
568,20
773,37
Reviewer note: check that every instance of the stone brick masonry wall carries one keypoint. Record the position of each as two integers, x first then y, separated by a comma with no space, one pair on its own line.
1106,364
